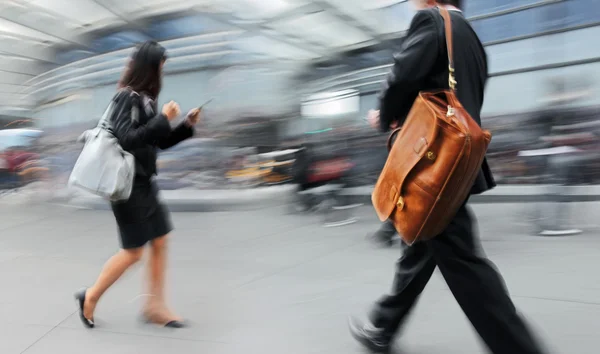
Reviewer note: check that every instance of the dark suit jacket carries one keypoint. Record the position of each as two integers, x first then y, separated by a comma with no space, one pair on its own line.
422,64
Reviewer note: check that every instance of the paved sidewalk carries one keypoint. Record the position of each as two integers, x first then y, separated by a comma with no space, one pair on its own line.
194,200
266,282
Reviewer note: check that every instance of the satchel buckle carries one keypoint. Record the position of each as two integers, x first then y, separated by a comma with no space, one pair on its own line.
451,79
450,112
400,203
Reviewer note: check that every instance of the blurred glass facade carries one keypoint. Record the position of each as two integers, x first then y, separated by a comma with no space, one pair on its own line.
263,61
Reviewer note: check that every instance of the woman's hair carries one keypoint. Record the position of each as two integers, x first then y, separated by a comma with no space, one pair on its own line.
142,72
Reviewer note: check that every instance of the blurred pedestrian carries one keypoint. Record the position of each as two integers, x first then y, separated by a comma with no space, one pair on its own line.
142,219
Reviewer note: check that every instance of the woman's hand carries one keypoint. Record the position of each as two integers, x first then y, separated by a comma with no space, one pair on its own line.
171,110
193,117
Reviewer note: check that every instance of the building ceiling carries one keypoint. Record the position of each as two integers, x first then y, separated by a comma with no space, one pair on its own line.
53,46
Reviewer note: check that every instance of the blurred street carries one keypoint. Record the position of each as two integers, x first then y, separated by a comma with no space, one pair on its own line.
267,282
271,191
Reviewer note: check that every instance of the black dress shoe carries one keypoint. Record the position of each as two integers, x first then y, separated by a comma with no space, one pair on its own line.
80,299
370,337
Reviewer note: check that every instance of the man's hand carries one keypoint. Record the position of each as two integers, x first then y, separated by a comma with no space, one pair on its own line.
373,118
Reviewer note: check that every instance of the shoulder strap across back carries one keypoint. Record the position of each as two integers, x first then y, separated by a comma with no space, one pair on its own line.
449,46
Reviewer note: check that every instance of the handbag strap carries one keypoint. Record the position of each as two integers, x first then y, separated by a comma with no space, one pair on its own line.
104,121
135,107
448,31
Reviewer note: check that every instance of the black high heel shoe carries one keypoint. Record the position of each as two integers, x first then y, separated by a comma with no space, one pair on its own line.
171,324
80,298
175,324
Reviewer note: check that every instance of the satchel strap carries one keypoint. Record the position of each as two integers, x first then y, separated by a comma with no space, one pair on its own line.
448,30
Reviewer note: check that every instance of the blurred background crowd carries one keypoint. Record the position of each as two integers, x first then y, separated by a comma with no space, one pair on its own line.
291,83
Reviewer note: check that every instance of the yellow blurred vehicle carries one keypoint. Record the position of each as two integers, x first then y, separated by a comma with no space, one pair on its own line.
260,169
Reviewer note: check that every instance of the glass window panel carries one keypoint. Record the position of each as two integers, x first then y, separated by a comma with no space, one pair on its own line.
397,17
116,41
185,26
524,90
483,7
521,90
582,11
538,20
511,25
552,17
72,55
576,43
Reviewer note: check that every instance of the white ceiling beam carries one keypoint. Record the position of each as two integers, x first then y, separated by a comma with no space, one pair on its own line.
40,20
20,65
25,47
303,10
352,14
13,78
11,88
86,77
113,7
257,27
123,53
13,97
16,111
19,102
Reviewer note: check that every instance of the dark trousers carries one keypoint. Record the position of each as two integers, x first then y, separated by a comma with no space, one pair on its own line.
387,230
473,280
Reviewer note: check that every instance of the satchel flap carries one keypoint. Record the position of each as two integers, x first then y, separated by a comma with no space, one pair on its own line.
384,199
412,143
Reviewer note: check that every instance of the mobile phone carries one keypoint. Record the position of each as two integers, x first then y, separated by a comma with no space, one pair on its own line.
205,103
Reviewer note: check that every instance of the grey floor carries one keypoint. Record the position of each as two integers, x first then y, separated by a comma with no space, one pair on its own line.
267,282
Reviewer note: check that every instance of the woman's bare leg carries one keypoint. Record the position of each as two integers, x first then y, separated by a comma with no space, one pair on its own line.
112,271
156,307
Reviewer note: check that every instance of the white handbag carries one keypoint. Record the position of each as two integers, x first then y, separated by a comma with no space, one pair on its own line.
103,167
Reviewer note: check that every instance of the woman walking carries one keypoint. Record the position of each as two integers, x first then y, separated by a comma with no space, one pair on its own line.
142,219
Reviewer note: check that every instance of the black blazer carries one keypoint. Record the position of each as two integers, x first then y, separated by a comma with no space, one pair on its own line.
422,64
152,130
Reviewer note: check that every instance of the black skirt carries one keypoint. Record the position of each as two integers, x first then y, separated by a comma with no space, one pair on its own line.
142,218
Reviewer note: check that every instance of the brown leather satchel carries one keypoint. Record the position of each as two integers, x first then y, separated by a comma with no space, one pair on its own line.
432,163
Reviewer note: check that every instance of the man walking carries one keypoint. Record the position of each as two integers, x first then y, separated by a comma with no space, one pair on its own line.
422,64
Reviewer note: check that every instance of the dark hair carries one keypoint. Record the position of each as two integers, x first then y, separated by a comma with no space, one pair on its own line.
142,72
457,3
